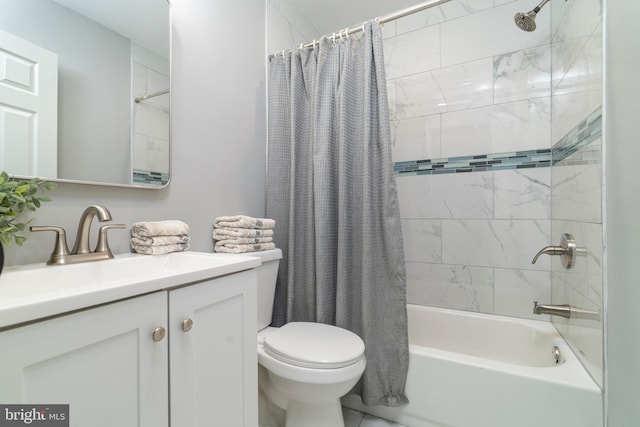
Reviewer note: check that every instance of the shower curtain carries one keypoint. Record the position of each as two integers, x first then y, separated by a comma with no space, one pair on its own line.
331,190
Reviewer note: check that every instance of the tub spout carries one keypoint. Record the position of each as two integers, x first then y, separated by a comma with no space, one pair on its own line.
563,310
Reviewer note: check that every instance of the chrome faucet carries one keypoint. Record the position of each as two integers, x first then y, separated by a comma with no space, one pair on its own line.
81,251
565,310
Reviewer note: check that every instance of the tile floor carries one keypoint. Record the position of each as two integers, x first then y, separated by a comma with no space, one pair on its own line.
353,418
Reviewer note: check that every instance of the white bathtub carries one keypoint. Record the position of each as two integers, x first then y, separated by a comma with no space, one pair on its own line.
477,370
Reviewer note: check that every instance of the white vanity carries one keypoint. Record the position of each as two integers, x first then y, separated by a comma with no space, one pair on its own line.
134,341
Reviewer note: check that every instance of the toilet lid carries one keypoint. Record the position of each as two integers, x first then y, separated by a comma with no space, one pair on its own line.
314,345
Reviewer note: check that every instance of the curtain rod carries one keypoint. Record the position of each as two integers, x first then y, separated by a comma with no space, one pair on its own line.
382,19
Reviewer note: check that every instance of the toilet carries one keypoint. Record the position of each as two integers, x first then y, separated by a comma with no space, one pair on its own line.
304,368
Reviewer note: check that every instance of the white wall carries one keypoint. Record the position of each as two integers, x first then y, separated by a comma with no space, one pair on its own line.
622,188
218,134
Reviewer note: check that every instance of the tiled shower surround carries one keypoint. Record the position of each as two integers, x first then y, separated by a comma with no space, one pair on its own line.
479,111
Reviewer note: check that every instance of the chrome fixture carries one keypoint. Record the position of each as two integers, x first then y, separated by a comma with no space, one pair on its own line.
150,95
567,251
556,354
527,21
81,251
566,311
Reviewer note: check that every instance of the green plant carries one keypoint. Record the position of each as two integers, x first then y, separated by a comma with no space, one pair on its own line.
17,195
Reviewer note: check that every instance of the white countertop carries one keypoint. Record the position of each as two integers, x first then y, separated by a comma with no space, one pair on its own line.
37,291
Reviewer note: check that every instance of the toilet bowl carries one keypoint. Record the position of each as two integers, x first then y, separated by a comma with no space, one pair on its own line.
304,368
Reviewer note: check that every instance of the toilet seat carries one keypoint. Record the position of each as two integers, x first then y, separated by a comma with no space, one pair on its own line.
314,345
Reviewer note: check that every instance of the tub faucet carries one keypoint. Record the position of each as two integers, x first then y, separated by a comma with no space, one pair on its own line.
566,310
81,251
563,310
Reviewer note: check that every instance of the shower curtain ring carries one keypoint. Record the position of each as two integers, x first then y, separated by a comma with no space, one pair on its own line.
282,53
333,38
363,26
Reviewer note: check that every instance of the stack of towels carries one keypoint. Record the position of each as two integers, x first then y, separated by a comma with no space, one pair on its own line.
238,234
159,237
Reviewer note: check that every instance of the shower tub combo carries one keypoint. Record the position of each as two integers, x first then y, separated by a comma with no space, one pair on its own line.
478,370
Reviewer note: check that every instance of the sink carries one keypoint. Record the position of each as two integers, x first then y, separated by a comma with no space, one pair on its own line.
36,291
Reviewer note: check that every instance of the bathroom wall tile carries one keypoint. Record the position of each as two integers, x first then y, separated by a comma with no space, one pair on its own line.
585,337
466,38
438,14
522,193
391,98
416,138
389,30
412,53
577,188
288,26
446,196
151,120
583,71
514,126
466,85
572,19
586,276
495,243
450,286
418,95
422,240
516,290
571,109
522,74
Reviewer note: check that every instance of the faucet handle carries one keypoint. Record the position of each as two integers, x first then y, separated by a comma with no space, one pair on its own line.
60,250
103,244
567,250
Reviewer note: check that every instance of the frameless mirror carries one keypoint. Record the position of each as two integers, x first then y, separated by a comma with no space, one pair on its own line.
84,90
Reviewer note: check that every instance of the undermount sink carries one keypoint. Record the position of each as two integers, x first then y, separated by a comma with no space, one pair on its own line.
36,291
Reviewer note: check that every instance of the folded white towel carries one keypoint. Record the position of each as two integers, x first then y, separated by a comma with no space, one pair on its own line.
159,228
159,240
226,233
159,249
238,249
244,240
243,221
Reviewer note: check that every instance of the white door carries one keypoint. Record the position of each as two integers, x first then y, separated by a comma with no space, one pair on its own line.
102,362
28,108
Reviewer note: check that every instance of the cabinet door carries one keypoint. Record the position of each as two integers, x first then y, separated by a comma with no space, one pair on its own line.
102,361
213,366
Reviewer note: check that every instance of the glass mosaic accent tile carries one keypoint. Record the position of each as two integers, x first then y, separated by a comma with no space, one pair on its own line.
150,177
572,144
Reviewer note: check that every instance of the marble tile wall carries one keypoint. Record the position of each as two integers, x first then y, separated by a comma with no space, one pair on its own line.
457,91
460,96
577,175
150,118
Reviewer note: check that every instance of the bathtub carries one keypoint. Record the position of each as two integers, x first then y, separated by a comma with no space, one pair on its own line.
477,370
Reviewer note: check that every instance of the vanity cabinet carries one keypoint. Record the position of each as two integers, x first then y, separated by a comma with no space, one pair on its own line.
101,361
115,367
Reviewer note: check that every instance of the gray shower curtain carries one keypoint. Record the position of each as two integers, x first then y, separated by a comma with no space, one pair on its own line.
331,190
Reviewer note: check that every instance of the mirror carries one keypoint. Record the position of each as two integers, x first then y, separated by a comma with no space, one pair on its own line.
71,72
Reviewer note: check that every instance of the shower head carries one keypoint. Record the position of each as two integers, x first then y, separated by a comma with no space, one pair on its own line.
527,21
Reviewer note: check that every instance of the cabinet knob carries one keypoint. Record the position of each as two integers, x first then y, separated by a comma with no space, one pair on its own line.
187,324
158,333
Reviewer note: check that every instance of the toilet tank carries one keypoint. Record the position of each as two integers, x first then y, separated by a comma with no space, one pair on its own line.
267,274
